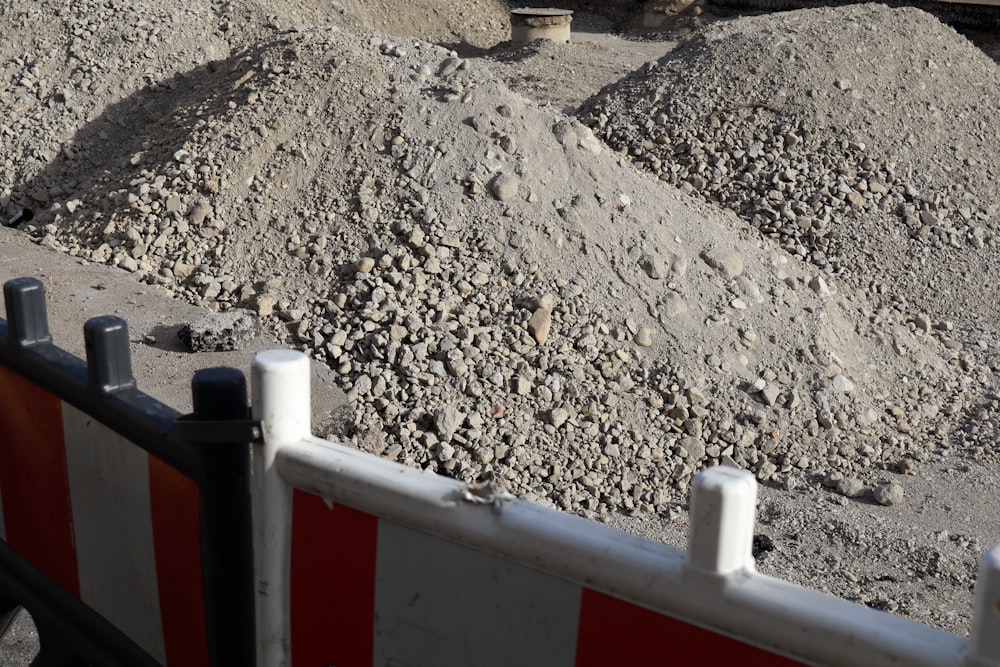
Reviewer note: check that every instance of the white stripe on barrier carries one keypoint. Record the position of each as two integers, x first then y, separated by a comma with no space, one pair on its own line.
113,529
281,400
451,605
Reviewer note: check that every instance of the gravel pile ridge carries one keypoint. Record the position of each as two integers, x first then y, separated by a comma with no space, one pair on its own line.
503,297
861,138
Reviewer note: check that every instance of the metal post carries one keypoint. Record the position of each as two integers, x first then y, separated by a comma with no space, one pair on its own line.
220,394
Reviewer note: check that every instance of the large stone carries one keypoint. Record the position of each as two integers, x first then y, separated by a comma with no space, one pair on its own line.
220,332
851,487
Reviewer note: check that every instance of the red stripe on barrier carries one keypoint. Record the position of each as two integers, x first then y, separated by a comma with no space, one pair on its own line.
332,584
174,507
33,479
614,632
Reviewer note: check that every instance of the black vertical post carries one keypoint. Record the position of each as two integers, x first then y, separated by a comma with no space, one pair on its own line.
26,316
220,394
109,362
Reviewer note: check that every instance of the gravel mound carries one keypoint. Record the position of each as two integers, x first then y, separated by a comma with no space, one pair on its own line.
862,139
502,297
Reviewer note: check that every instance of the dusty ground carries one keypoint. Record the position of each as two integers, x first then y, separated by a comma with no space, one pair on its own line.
916,557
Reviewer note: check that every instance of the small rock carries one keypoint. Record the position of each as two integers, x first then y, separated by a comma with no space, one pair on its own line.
449,66
653,267
558,416
673,305
694,447
850,487
546,302
819,286
445,452
447,419
183,271
198,214
504,187
888,493
724,260
588,141
644,338
456,367
842,384
906,467
539,325
770,394
565,134
266,305
364,265
833,479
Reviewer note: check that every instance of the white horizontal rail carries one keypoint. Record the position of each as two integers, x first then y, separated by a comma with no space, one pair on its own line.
760,610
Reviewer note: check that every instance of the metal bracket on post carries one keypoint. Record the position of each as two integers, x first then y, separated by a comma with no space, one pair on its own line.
26,317
220,395
214,432
723,503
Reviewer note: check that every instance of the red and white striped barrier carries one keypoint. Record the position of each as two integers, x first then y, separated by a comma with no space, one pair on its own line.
111,524
363,562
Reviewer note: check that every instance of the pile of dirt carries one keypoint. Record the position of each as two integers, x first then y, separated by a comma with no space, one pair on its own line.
502,298
876,162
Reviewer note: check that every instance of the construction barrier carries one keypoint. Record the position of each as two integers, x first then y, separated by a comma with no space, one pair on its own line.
125,530
128,544
363,562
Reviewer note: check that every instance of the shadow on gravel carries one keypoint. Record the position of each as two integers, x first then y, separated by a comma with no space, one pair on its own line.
143,132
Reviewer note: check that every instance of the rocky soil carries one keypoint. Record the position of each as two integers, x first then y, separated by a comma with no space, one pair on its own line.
764,248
